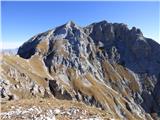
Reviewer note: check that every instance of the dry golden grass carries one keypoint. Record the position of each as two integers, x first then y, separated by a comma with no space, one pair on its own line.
38,66
110,73
22,94
116,74
29,69
125,74
108,97
43,47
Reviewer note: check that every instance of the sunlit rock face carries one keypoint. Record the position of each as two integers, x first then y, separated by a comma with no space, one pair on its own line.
103,64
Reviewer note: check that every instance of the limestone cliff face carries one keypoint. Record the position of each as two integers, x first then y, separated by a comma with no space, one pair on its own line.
105,65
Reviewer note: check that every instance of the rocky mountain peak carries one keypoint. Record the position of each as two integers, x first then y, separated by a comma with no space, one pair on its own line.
103,64
70,24
70,29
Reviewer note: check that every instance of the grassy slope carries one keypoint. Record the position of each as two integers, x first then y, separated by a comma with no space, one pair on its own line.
108,97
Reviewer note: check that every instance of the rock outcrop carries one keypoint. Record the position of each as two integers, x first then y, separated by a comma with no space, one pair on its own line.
104,64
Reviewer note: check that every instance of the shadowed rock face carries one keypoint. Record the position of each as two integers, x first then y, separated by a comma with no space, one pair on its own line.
54,88
136,51
103,64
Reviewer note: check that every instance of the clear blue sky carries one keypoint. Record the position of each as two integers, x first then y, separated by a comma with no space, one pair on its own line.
22,20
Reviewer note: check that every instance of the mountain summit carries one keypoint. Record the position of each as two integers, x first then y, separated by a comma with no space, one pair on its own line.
106,65
70,23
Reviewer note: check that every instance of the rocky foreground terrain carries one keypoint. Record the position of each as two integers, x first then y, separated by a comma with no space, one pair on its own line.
101,71
51,109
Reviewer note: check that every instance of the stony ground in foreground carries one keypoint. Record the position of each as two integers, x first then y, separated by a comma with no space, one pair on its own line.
50,109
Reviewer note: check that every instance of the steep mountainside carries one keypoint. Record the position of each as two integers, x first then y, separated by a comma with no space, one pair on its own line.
104,64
